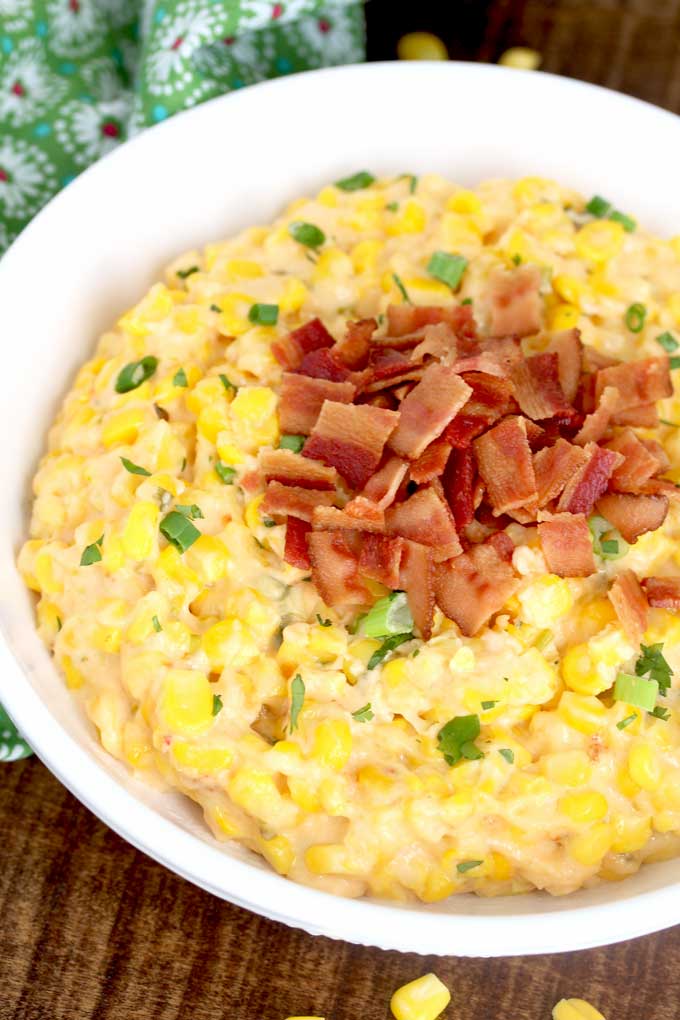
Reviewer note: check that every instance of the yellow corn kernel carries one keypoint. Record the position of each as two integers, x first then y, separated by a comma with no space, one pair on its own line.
630,834
211,421
464,201
171,564
394,673
229,642
582,712
673,305
234,319
326,859
279,853
209,557
205,393
598,612
49,618
625,784
123,427
141,529
579,672
575,1009
364,255
326,643
545,601
251,514
668,793
568,768
497,867
599,240
644,766
72,675
332,743
107,639
588,848
224,821
253,409
137,746
203,759
529,190
519,246
410,220
423,999
563,317
43,568
460,231
187,701
332,264
569,288
363,649
245,269
373,781
600,285
293,295
304,793
584,806
430,289
256,792
463,660
438,885
328,197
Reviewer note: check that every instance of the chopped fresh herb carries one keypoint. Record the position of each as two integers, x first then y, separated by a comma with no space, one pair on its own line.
667,341
599,206
364,714
134,469
653,662
291,442
627,721
92,553
402,289
610,546
156,624
217,704
415,653
268,522
412,184
447,268
486,705
362,179
517,259
225,474
389,615
183,273
59,623
543,639
216,308
508,754
671,424
607,542
264,315
380,318
180,378
467,866
193,512
466,301
388,645
322,622
297,697
307,234
134,374
635,317
674,363
627,222
392,206
184,463
227,383
161,413
659,712
456,739
179,530
636,690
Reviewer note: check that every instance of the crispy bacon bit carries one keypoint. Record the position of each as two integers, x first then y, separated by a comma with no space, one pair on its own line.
405,319
657,450
458,481
639,463
426,518
630,604
324,364
389,368
472,587
645,416
569,350
662,592
383,486
416,578
633,515
358,515
351,439
493,357
286,500
427,410
292,469
491,398
431,463
567,544
302,398
290,350
505,465
586,486
354,347
295,551
335,569
379,559
554,466
638,382
597,422
515,303
538,390
439,342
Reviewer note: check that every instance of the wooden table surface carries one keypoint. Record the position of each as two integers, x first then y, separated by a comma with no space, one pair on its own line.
90,929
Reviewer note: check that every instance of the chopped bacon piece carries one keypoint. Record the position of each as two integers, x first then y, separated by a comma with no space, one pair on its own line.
286,500
657,450
351,439
292,469
358,515
515,303
567,544
426,518
416,578
586,486
644,416
324,364
296,552
661,487
490,400
354,347
391,370
638,382
633,515
384,484
431,463
458,481
503,545
505,465
569,350
290,350
662,592
594,360
554,466
493,357
405,319
598,421
630,604
428,409
438,342
335,568
538,390
639,463
474,586
380,557
302,398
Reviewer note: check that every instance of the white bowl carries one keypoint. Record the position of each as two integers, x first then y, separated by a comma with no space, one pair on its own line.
201,176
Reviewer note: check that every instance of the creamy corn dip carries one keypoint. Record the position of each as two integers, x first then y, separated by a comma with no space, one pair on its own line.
211,666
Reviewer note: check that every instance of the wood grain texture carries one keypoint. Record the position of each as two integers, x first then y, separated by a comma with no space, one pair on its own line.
93,930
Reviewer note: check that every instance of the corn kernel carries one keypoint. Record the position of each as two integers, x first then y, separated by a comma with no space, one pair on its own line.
253,410
599,240
569,288
187,701
123,427
74,678
225,822
293,296
229,643
582,712
575,1009
365,254
256,792
373,781
234,316
497,867
673,305
279,853
585,806
644,766
630,834
579,671
464,201
545,601
332,264
203,759
568,768
529,190
326,643
423,999
209,557
107,639
140,533
410,220
332,743
43,568
244,269
304,793
326,859
588,848
438,885
563,317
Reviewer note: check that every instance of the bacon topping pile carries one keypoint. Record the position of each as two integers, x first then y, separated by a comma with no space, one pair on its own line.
423,444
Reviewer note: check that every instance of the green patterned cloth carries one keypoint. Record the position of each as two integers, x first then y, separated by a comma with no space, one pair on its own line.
78,77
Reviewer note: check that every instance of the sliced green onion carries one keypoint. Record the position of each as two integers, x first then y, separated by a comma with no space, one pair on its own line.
636,690
388,645
134,469
180,378
227,383
627,222
627,721
402,289
392,206
607,542
464,866
179,530
364,714
92,553
290,442
599,206
225,474
216,308
134,374
323,623
447,268
667,341
659,712
665,421
297,697
674,363
264,315
59,624
466,301
193,512
508,754
307,234
486,705
635,317
610,547
456,739
217,705
389,615
517,259
183,273
362,179
156,624
412,184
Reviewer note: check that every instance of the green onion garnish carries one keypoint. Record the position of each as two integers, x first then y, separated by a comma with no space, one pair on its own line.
447,268
456,739
653,662
412,184
216,308
635,317
227,383
466,301
670,424
59,624
183,273
467,866
389,615
134,374
290,442
599,206
179,530
486,705
264,315
388,645
323,623
180,378
610,547
674,362
636,690
193,512
667,341
517,259
402,289
363,714
297,697
217,704
627,222
607,542
225,474
362,179
508,754
92,553
134,469
156,624
659,712
392,206
627,721
306,233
